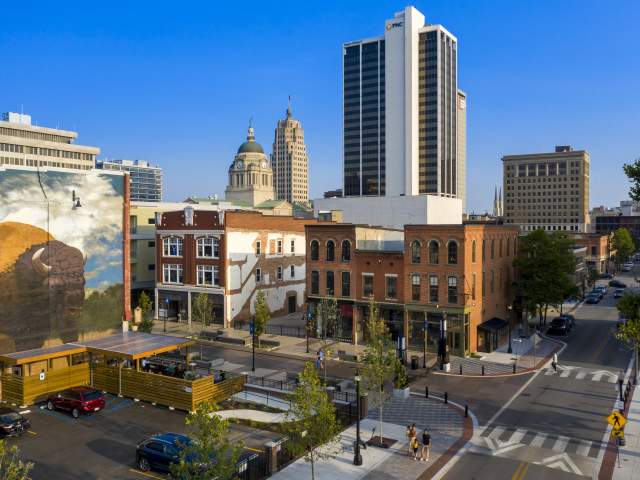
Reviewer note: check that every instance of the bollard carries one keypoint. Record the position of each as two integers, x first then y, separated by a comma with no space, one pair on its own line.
426,392
446,397
482,369
460,369
466,411
514,368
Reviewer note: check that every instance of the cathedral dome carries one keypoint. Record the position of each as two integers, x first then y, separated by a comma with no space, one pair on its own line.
251,146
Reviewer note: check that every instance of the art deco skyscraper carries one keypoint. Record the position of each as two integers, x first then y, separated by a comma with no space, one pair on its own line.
404,119
289,161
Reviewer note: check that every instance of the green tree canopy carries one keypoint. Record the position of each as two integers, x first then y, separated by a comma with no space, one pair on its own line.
623,244
311,420
262,315
11,467
632,171
629,330
202,310
210,440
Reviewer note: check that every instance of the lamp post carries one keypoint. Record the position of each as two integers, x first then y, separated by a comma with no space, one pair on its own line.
166,314
357,458
510,308
442,349
424,342
253,346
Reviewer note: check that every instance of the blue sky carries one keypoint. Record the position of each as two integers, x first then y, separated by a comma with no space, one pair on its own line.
176,82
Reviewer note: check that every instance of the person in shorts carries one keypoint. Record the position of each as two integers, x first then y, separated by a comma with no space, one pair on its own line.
415,445
426,446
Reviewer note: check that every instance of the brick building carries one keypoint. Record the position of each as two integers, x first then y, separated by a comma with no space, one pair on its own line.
229,255
417,276
598,250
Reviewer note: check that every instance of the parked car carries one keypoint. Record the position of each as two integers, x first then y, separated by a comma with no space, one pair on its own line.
77,400
597,293
606,276
593,298
627,267
619,293
158,452
12,423
559,326
617,284
559,320
570,319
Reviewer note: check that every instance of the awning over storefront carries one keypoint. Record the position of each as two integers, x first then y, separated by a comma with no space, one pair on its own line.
493,325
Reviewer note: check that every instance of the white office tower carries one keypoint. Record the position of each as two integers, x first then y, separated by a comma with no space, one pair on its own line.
404,117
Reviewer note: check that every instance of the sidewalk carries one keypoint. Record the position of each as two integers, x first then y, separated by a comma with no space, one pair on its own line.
446,424
630,454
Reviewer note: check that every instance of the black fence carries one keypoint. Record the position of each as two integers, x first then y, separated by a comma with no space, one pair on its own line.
347,414
255,467
290,331
290,386
285,457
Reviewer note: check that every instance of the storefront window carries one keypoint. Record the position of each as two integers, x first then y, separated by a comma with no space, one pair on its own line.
367,285
392,287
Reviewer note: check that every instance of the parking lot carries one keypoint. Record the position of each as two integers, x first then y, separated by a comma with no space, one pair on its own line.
102,445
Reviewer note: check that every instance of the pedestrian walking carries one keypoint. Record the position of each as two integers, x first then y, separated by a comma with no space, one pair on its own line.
426,446
408,434
554,362
415,445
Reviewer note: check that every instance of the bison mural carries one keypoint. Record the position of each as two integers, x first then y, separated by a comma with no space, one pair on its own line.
41,288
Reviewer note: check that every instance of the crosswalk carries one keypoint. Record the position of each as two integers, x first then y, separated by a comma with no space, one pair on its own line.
500,439
578,373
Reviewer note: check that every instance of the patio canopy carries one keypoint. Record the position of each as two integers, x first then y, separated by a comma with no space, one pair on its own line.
493,325
135,345
40,354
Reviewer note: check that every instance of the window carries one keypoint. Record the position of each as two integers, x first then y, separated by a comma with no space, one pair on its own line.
491,281
151,244
415,287
331,251
367,285
292,271
433,288
208,275
258,275
151,266
172,246
452,252
330,283
279,273
279,247
151,221
346,250
315,250
346,284
473,251
415,251
315,282
391,286
492,249
258,248
208,247
434,251
500,248
172,273
483,250
452,291
473,286
293,247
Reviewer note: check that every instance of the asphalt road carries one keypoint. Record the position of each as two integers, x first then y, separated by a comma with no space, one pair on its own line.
555,427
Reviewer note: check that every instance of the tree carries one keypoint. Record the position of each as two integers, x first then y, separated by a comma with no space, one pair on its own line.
623,245
632,171
546,267
593,276
379,357
211,453
629,330
328,317
312,426
145,305
11,467
202,310
262,315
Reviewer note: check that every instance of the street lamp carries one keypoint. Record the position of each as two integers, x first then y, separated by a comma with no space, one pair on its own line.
166,314
424,342
357,458
253,345
510,308
442,348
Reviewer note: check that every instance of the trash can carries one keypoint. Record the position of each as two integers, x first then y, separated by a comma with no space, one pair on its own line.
414,362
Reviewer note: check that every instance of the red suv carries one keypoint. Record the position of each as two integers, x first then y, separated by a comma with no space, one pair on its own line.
77,400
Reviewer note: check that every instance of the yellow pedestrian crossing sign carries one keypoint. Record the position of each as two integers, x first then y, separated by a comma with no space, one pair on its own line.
616,420
617,433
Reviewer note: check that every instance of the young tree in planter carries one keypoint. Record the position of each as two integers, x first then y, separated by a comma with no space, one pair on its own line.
209,436
11,467
146,305
380,357
312,427
328,320
261,317
629,331
202,310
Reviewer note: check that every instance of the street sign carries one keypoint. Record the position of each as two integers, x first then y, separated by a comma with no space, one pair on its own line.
251,330
616,420
617,433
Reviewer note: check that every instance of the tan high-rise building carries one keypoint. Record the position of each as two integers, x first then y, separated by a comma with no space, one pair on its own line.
548,191
28,145
290,162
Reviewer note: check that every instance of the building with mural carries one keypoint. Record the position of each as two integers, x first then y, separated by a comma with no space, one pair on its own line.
63,273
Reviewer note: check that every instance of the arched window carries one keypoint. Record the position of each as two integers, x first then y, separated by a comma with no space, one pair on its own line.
434,250
331,251
473,251
452,252
415,251
315,250
346,250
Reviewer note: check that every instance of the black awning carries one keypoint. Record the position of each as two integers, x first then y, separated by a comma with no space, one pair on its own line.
493,325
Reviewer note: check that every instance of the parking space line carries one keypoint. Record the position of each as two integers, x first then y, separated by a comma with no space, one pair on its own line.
254,449
24,412
32,433
145,474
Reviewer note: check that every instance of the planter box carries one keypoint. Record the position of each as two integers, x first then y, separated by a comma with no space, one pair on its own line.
403,393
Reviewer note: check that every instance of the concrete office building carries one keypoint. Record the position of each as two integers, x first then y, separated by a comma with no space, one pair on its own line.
289,161
403,115
548,191
146,179
24,144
